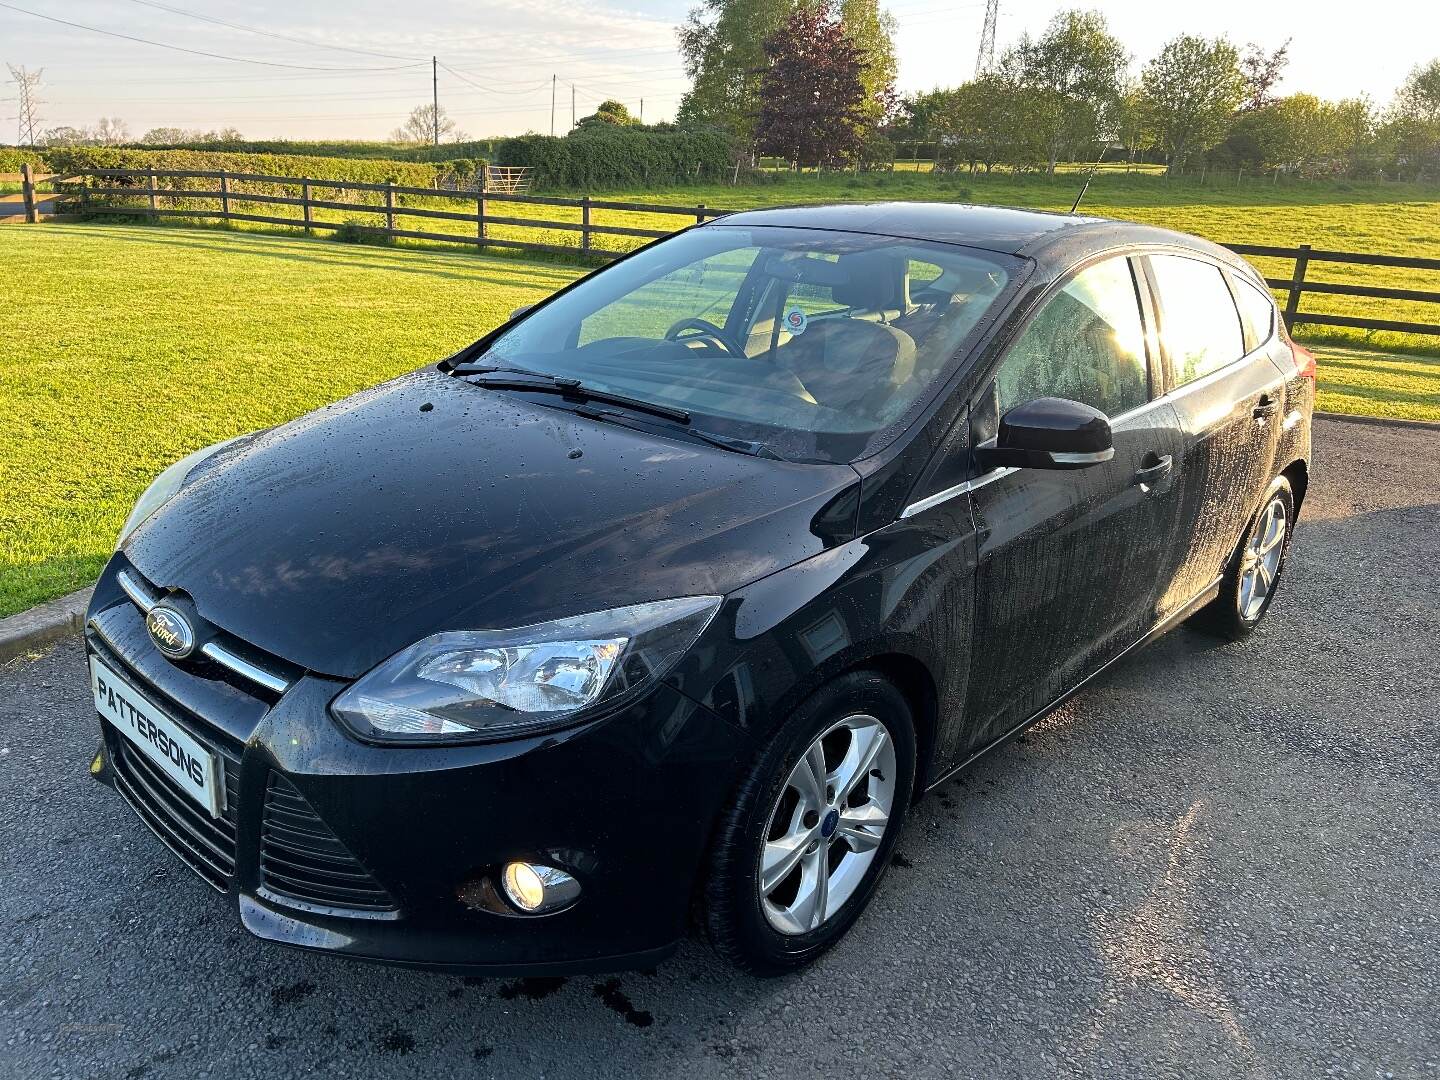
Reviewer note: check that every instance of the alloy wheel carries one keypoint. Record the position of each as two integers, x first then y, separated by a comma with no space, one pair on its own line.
1260,561
827,823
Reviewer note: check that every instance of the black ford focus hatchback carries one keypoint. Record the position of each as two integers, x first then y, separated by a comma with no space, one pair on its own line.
666,599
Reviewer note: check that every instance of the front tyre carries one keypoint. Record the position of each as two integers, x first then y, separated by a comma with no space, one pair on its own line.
811,828
1251,579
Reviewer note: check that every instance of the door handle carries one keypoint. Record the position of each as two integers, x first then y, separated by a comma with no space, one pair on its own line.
1152,473
1265,408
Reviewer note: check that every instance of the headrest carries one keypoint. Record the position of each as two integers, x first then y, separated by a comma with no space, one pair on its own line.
875,281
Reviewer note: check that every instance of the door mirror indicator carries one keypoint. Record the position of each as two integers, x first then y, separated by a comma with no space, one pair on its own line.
1049,433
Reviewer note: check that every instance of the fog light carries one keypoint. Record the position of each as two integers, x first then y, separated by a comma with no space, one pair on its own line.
536,889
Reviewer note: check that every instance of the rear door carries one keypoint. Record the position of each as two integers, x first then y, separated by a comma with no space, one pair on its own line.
1228,397
1070,563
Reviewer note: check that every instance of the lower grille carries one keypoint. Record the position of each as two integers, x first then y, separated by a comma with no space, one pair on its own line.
301,860
205,843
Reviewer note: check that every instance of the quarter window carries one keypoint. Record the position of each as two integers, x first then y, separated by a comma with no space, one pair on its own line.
1087,344
1198,321
1257,312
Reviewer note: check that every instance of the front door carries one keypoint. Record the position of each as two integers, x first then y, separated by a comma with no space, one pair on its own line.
1070,563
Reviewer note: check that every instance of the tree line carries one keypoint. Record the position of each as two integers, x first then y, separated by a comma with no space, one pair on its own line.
813,83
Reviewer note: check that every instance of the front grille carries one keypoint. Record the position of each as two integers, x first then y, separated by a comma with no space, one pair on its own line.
205,843
302,861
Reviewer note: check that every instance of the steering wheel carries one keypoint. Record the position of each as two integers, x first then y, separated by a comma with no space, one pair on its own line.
707,332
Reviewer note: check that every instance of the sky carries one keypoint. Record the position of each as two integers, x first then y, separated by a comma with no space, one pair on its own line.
355,68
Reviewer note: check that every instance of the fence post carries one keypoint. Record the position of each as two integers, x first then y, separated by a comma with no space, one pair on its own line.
154,210
700,214
389,206
305,206
1297,286
27,189
585,223
224,196
480,213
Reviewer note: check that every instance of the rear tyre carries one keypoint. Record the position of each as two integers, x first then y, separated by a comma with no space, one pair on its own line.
811,828
1253,575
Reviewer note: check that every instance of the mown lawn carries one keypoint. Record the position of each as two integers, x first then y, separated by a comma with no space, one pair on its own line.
1381,218
124,347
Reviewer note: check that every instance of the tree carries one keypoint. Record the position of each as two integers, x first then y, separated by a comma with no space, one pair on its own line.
112,131
1419,97
176,136
1262,71
1075,71
812,94
1189,93
722,45
609,112
1410,135
420,127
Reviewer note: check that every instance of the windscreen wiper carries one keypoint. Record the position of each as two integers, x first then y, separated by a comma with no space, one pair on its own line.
722,442
553,384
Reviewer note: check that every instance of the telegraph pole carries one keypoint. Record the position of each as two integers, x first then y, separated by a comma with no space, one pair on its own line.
435,96
572,106
642,111
985,60
554,81
29,84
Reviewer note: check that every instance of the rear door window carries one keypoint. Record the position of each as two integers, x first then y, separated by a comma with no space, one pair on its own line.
1257,312
1199,326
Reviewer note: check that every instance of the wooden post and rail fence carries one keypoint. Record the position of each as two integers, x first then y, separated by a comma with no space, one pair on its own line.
116,191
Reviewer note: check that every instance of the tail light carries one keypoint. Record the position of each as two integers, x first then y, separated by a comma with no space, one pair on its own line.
1304,360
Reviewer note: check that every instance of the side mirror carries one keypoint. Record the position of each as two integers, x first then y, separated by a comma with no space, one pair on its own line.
1049,433
521,310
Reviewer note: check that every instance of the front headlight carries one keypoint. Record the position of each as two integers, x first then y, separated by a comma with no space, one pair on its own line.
477,685
163,488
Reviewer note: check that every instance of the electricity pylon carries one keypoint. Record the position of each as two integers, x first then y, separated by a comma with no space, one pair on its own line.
29,84
986,59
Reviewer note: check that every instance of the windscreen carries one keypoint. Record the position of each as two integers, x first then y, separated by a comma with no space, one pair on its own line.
811,342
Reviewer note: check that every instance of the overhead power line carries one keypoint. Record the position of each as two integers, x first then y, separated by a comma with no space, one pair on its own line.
272,33
197,52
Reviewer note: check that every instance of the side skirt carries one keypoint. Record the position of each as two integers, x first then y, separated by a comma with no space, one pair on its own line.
1209,593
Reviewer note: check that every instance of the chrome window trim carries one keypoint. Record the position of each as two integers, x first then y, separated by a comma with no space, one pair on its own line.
245,668
962,488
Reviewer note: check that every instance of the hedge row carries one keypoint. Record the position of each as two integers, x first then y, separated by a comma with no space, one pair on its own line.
80,158
12,157
445,152
610,157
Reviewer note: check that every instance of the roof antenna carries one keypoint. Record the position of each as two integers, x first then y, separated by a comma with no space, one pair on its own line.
1085,186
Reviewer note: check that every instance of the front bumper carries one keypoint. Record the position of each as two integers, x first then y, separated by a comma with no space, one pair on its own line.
626,804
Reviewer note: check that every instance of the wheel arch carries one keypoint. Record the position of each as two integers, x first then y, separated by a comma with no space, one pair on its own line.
916,684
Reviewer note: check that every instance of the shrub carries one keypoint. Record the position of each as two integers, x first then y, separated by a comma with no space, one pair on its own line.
356,231
609,156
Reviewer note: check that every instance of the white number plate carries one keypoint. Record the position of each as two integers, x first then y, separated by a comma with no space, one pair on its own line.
193,768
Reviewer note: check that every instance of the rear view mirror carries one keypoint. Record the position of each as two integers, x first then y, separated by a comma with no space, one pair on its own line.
1049,433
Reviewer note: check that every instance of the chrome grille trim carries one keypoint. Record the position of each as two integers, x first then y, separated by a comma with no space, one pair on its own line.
244,668
143,598
139,595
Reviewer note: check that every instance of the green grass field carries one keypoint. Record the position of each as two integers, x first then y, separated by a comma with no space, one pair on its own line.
124,347
1382,218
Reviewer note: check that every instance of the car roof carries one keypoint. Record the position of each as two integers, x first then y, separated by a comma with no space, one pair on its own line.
1042,235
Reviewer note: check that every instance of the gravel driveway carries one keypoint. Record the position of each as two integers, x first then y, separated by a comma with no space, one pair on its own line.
1222,861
